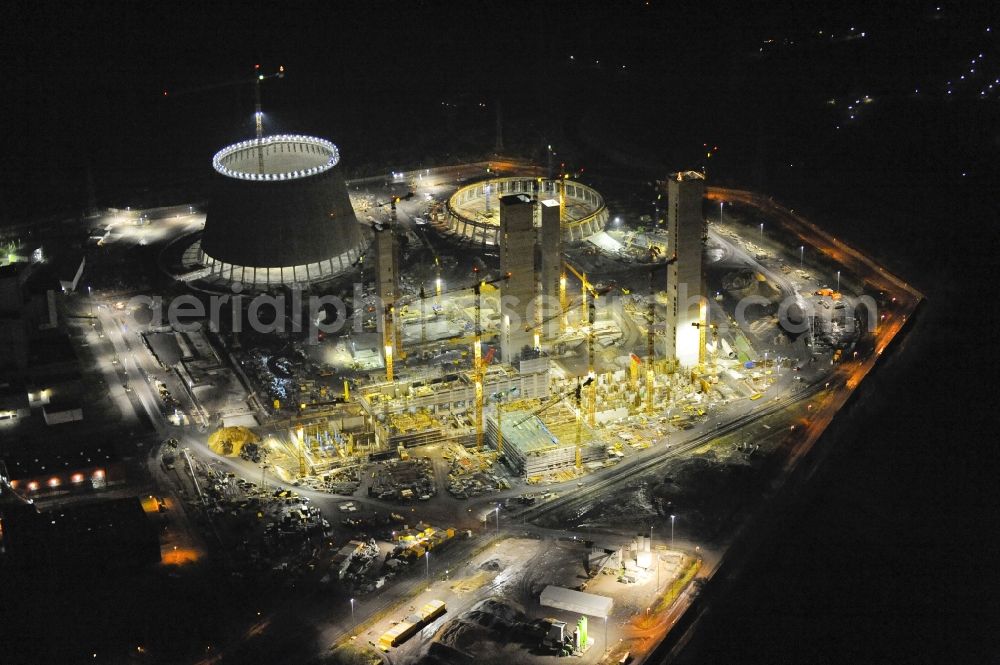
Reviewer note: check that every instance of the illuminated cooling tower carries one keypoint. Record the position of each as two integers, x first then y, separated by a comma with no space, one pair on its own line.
279,214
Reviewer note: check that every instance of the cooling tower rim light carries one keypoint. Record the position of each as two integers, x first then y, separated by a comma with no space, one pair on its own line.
328,146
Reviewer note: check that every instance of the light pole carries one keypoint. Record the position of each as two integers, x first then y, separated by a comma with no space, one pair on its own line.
427,558
607,647
802,254
90,296
497,511
721,203
672,531
838,281
352,611
762,231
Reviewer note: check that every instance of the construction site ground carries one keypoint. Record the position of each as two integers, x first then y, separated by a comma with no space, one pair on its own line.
493,607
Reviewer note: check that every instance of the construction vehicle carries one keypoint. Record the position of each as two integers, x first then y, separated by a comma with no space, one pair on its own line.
404,630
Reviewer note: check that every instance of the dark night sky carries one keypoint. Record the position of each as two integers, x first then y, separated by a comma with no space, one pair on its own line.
912,485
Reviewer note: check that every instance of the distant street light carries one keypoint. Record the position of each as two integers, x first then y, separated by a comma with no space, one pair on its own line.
352,610
497,511
762,231
672,531
838,281
427,558
802,253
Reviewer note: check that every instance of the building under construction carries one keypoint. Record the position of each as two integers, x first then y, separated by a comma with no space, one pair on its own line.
543,443
422,410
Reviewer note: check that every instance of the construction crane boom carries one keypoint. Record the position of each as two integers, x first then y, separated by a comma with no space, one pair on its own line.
577,391
258,78
702,343
478,368
499,398
564,309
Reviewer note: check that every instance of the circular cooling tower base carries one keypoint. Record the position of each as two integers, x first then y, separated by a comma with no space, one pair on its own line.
203,272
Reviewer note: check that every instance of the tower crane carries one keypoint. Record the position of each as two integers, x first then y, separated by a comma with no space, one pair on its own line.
585,286
650,341
702,343
577,392
478,367
562,312
499,398
258,77
258,113
478,363
437,283
587,317
579,421
592,393
552,401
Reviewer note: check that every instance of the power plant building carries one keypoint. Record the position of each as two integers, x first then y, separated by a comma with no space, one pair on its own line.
533,446
687,304
551,266
517,258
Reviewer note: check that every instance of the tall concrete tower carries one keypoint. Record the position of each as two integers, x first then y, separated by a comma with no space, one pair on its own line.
551,264
685,286
517,257
386,265
387,288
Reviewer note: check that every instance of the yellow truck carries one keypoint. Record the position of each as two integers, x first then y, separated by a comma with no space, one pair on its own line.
398,634
404,630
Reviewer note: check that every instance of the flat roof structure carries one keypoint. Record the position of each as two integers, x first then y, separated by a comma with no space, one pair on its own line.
534,446
576,601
